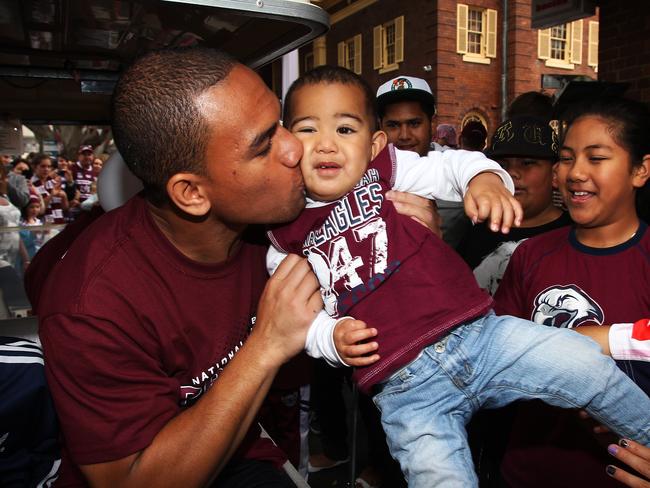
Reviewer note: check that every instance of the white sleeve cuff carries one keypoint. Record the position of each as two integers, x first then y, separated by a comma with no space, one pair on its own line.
623,346
320,339
273,259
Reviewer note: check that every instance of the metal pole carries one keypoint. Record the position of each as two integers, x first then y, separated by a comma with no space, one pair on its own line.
355,420
504,61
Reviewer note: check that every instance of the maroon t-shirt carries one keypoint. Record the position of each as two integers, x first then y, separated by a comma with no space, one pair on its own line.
134,332
553,279
384,269
83,178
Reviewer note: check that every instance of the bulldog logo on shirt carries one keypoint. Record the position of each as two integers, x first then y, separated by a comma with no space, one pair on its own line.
566,306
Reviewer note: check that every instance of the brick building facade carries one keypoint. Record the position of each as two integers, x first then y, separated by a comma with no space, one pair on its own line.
430,34
625,45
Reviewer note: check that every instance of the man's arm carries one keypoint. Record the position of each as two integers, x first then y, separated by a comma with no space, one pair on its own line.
194,446
18,191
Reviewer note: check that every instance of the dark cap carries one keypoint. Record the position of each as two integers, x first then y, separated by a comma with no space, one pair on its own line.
524,137
406,89
86,148
474,127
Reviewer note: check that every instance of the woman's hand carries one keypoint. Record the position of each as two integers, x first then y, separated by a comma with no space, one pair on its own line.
635,456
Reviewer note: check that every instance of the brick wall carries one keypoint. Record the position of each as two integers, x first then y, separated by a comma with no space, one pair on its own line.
430,40
624,45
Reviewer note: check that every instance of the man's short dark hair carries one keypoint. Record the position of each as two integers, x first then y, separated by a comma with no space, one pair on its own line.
156,123
428,110
330,75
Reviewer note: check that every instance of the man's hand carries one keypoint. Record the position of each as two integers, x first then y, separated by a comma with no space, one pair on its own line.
601,433
487,198
418,208
634,455
289,303
350,338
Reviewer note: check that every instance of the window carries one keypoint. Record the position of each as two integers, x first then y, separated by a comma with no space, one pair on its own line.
559,41
317,56
320,51
388,45
476,33
592,53
349,54
561,46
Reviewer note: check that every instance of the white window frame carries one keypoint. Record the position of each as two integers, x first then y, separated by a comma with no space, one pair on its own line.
381,45
488,34
573,47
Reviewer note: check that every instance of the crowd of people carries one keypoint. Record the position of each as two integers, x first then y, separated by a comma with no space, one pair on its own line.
49,190
166,341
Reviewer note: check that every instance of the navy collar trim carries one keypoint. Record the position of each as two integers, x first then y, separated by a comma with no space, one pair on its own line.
605,251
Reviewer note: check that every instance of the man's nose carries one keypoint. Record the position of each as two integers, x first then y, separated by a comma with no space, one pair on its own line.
291,148
404,132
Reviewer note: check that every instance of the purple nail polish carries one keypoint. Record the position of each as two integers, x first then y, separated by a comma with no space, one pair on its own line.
612,449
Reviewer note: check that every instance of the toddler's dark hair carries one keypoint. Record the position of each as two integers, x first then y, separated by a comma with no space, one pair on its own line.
330,75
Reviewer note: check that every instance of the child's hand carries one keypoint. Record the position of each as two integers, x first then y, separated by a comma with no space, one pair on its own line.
488,198
349,337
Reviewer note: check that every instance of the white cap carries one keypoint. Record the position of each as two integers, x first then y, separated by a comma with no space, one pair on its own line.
405,88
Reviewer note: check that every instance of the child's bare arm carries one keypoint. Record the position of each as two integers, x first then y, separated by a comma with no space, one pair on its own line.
599,333
487,198
352,339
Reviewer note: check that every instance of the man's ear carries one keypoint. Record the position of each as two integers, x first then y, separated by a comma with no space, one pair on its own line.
379,141
187,192
554,180
642,172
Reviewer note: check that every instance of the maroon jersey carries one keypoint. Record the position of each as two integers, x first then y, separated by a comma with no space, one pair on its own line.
554,280
83,178
134,332
384,269
54,211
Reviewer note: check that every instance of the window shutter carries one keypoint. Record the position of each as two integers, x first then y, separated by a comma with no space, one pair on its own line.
491,46
377,49
357,54
399,39
544,43
461,28
341,53
592,54
576,42
320,51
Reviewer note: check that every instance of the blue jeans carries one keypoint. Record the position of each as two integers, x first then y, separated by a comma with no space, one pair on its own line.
489,363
